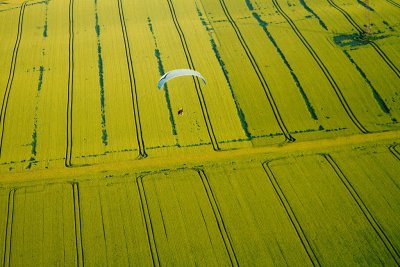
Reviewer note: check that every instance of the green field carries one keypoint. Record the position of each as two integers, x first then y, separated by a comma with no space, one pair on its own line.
288,155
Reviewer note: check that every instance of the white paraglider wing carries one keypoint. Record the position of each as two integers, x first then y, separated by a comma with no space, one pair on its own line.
176,73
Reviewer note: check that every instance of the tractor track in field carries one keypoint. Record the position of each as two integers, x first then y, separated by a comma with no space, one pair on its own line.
103,226
208,27
361,31
78,224
214,206
290,213
375,93
28,4
259,74
218,218
393,3
132,80
378,98
364,209
264,25
394,151
68,150
323,68
196,81
10,80
9,227
149,225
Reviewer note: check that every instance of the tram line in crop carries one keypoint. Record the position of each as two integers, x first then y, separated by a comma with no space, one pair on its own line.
132,80
393,3
148,223
290,213
206,24
361,31
375,93
196,81
218,217
364,209
323,68
78,224
9,227
10,80
68,152
259,74
394,151
264,25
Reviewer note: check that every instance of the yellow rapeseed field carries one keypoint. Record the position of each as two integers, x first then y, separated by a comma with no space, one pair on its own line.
288,155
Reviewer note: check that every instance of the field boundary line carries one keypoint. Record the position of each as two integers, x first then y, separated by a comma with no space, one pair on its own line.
304,147
9,228
197,85
290,213
361,31
78,224
68,150
323,68
394,151
28,4
148,223
364,209
132,83
260,76
10,80
218,217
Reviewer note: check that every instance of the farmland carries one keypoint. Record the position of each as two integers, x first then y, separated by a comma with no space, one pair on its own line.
288,155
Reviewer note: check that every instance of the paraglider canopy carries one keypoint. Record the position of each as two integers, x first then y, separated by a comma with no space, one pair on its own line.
176,73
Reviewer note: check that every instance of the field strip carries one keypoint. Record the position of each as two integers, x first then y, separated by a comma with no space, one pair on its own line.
260,76
375,93
11,75
132,80
199,91
315,146
346,52
148,223
372,43
291,215
213,41
315,201
323,68
263,24
375,225
218,218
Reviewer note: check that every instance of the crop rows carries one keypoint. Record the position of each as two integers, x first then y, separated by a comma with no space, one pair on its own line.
276,72
311,210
